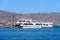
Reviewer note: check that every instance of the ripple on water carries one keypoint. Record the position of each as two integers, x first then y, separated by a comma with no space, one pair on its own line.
29,34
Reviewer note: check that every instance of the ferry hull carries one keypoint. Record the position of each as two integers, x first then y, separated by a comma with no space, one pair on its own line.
32,27
36,26
48,26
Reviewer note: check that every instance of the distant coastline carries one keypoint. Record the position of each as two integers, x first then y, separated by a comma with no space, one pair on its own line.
9,18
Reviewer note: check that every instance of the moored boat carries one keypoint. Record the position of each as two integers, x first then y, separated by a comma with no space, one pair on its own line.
30,24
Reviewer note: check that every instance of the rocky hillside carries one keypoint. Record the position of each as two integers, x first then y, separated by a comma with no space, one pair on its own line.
49,17
9,16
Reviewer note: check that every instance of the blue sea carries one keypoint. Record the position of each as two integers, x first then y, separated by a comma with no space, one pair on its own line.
30,34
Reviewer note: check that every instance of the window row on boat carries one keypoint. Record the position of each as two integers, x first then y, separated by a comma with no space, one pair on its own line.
35,24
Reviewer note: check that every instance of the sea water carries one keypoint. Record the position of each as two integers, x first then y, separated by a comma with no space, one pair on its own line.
30,34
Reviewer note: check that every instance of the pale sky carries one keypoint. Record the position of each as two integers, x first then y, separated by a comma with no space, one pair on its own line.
30,6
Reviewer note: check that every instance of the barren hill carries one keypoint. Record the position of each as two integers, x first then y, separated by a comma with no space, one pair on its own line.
50,17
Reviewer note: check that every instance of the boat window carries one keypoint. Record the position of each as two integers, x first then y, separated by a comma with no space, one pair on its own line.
38,24
27,21
28,24
46,24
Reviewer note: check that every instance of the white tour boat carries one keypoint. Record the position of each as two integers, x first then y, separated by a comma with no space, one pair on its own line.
29,24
